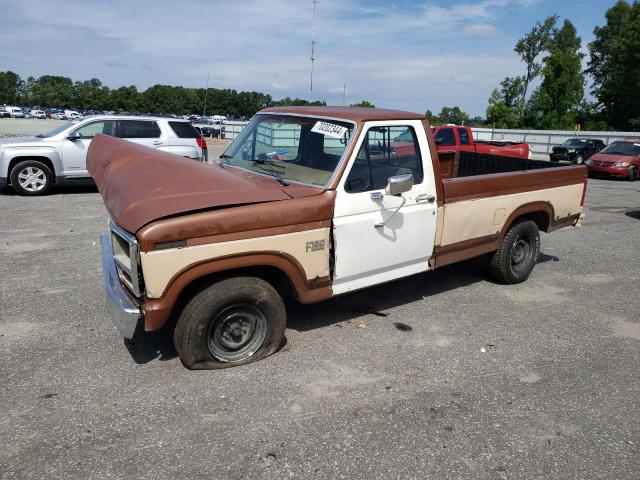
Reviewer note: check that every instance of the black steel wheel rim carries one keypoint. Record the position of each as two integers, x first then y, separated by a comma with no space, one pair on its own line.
521,251
237,332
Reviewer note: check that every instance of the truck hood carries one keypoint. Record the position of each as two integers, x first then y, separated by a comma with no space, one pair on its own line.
140,184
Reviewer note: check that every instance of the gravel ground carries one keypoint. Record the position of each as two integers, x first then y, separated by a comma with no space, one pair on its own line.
554,396
14,127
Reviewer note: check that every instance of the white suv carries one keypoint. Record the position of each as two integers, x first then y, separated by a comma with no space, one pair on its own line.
31,165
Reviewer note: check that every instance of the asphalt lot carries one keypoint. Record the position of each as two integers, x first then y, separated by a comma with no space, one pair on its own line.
554,396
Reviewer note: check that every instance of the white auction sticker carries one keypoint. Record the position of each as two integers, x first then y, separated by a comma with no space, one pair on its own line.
330,129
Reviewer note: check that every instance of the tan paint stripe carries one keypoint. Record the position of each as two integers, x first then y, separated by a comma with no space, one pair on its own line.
160,266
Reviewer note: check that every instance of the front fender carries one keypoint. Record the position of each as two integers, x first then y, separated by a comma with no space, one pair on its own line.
7,154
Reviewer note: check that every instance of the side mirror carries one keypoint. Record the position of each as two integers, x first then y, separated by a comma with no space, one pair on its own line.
399,184
73,136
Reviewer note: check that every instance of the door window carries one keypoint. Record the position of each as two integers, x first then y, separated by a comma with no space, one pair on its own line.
464,136
92,129
138,129
445,137
385,152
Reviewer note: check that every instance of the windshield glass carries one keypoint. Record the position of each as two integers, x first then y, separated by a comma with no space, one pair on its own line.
56,130
631,149
574,142
290,148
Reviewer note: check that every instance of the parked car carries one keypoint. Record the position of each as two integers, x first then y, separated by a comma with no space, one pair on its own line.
576,150
454,137
4,113
315,213
31,165
619,159
15,112
72,115
38,114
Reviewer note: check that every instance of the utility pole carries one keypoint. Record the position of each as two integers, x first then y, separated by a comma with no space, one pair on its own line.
313,49
344,94
206,91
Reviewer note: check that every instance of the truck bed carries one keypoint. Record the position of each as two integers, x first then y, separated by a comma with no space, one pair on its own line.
457,164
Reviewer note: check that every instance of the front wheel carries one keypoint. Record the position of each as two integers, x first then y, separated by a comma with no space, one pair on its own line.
31,177
232,322
516,256
579,160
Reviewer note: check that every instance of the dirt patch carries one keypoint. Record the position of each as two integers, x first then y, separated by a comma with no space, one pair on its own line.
626,329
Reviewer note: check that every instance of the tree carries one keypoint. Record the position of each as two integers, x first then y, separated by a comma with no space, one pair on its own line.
531,46
9,86
615,65
363,104
452,115
499,113
53,91
558,97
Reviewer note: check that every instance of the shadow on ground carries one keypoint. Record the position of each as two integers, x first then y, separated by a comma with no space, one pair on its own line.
148,346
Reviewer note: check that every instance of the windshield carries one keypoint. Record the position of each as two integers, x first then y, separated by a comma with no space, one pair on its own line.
290,148
631,149
574,142
56,130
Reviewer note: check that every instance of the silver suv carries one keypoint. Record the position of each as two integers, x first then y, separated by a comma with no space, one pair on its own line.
31,165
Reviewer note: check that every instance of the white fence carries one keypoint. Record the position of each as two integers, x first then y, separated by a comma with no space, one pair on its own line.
541,141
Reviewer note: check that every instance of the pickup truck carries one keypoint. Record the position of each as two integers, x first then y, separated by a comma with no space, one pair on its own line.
308,202
454,137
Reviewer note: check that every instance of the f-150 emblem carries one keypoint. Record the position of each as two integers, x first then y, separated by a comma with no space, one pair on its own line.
314,246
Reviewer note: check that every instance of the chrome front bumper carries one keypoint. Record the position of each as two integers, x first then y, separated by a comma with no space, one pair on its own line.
125,313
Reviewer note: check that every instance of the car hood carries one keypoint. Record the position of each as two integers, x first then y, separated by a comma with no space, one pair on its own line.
19,141
140,184
604,157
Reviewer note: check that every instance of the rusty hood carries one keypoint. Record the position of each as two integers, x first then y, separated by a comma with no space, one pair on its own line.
141,184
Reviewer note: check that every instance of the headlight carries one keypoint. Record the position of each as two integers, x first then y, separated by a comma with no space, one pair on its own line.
571,150
622,164
588,161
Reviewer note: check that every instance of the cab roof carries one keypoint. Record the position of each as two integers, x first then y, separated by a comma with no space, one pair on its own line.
354,114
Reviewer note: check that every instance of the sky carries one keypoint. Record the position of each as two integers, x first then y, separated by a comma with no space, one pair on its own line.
410,55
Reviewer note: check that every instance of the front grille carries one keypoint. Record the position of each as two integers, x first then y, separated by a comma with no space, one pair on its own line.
126,255
601,163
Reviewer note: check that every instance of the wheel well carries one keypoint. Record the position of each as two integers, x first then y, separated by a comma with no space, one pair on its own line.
272,275
45,160
540,218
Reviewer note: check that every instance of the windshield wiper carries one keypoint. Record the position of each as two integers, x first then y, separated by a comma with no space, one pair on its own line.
274,174
266,161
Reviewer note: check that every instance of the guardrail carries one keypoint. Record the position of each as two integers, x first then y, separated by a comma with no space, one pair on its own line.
541,141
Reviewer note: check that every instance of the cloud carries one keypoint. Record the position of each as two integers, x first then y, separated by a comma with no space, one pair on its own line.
406,56
479,29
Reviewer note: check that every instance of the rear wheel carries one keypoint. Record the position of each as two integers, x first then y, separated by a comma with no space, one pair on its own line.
31,177
516,256
232,322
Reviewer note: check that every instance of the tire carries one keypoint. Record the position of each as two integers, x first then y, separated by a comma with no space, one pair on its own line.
516,256
232,322
633,174
31,178
579,160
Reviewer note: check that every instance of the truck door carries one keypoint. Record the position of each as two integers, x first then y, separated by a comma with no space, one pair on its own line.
378,237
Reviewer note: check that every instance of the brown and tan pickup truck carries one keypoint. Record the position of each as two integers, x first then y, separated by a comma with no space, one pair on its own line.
310,203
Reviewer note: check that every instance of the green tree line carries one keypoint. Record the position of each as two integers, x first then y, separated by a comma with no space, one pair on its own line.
554,55
51,91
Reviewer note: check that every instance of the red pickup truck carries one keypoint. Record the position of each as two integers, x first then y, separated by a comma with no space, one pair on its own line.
454,137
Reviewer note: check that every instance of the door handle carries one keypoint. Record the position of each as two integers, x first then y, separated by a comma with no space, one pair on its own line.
157,142
425,198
